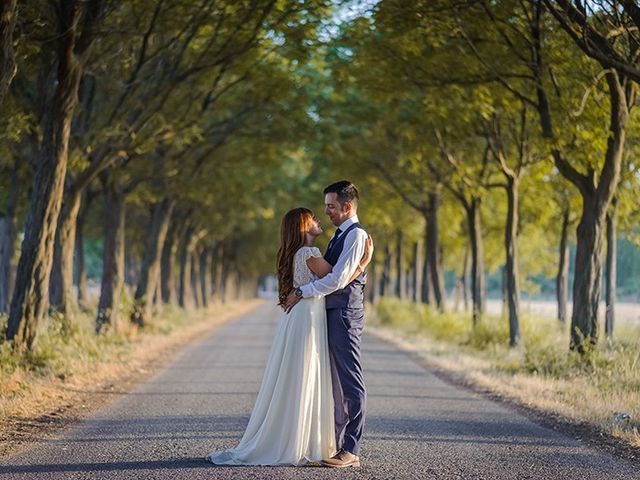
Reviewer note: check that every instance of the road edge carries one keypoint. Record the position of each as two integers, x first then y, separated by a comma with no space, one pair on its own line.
21,434
580,431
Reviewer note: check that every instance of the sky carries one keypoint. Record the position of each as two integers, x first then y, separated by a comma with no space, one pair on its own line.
347,11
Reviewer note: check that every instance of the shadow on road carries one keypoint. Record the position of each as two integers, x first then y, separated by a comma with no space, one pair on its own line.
170,464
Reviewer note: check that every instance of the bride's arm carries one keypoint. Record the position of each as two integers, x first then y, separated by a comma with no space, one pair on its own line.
319,266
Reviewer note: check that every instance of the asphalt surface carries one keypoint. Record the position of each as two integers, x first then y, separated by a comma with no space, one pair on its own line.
418,426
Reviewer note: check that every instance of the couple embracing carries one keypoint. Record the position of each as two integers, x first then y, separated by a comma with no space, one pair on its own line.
311,404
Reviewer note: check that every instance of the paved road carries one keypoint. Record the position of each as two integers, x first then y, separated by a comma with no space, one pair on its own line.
418,426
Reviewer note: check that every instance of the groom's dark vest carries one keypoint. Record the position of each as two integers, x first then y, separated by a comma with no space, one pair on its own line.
353,294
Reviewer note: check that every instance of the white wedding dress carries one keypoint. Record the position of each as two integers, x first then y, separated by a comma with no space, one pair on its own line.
292,421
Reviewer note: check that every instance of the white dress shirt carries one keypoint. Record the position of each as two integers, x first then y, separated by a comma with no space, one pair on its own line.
345,267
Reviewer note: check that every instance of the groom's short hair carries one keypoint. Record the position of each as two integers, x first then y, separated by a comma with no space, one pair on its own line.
345,190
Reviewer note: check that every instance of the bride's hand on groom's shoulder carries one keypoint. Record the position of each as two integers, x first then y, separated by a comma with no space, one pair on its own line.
368,252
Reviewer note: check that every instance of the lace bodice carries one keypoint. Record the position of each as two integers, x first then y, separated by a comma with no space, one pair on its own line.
301,273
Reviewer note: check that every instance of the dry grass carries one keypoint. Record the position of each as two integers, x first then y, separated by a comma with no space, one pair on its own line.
72,371
601,388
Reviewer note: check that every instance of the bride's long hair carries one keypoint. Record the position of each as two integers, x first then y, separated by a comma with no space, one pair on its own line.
293,227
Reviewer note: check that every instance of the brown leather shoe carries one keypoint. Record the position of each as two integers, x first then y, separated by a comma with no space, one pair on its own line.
342,459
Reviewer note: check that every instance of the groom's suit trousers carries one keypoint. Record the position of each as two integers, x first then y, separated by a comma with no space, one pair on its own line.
344,329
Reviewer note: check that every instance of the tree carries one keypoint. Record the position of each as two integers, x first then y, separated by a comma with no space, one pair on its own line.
387,121
8,66
76,23
591,30
521,53
521,151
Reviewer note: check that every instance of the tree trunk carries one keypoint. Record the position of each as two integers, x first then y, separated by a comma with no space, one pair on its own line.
466,272
239,284
416,278
426,294
226,271
219,270
212,272
185,297
8,241
8,66
433,250
511,269
157,296
113,268
503,291
205,275
169,251
595,204
588,271
131,270
372,283
30,298
477,258
80,273
401,292
150,270
562,278
610,294
385,280
195,278
61,283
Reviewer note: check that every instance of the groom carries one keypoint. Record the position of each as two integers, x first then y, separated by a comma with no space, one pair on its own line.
345,318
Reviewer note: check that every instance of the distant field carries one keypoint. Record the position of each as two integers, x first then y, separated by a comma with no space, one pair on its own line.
626,312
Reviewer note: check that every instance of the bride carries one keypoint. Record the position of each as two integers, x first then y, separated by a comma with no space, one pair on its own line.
292,422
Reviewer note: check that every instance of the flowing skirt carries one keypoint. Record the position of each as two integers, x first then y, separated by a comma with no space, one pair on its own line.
292,421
